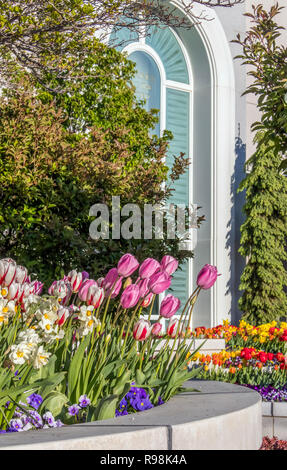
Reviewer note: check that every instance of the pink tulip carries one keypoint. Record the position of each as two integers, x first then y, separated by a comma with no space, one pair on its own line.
169,264
159,282
172,327
143,287
8,269
130,296
207,276
84,289
147,300
156,329
127,265
169,306
76,280
110,278
141,330
148,267
115,290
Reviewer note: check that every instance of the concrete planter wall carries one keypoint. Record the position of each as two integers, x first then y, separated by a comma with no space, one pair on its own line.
207,346
221,416
274,419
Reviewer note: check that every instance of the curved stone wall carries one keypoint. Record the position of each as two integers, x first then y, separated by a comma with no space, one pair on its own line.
221,416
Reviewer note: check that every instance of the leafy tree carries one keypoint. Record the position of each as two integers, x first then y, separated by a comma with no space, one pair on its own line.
54,165
263,240
40,34
263,237
265,53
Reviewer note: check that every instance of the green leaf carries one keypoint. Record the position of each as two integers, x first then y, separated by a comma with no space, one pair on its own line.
55,402
106,408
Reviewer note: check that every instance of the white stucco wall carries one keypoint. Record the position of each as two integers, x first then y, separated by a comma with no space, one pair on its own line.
246,113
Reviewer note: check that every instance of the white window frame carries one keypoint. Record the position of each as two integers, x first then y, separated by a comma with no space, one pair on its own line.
141,46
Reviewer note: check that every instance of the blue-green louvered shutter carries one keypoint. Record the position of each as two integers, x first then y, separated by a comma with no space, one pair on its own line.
177,121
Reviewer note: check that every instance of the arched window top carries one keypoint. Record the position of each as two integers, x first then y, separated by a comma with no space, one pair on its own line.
167,46
165,43
147,79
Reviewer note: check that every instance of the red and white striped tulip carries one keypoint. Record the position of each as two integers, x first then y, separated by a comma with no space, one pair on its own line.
84,289
15,291
156,329
95,296
147,300
172,327
21,274
76,280
63,313
141,330
61,289
8,269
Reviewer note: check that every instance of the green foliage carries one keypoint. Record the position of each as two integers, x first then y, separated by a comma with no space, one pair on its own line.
263,237
61,154
266,56
38,34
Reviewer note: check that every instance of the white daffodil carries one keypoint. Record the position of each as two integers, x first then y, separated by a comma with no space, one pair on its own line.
29,335
86,313
30,300
20,353
50,315
89,326
40,357
7,308
46,325
57,334
3,292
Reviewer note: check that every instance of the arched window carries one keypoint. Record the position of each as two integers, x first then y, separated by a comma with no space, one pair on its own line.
164,81
188,75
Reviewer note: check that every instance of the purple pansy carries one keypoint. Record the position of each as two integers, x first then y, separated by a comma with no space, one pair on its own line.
73,410
34,400
84,401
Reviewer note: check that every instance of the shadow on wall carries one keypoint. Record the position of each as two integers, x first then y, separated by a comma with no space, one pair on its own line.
233,236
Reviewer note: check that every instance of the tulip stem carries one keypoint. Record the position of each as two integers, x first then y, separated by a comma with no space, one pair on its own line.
108,303
128,330
151,307
142,353
118,312
188,303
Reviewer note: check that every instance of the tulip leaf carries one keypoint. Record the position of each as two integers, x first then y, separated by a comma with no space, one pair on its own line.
106,408
54,402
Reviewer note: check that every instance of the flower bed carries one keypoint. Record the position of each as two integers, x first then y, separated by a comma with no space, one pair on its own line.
273,444
254,356
79,348
272,335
